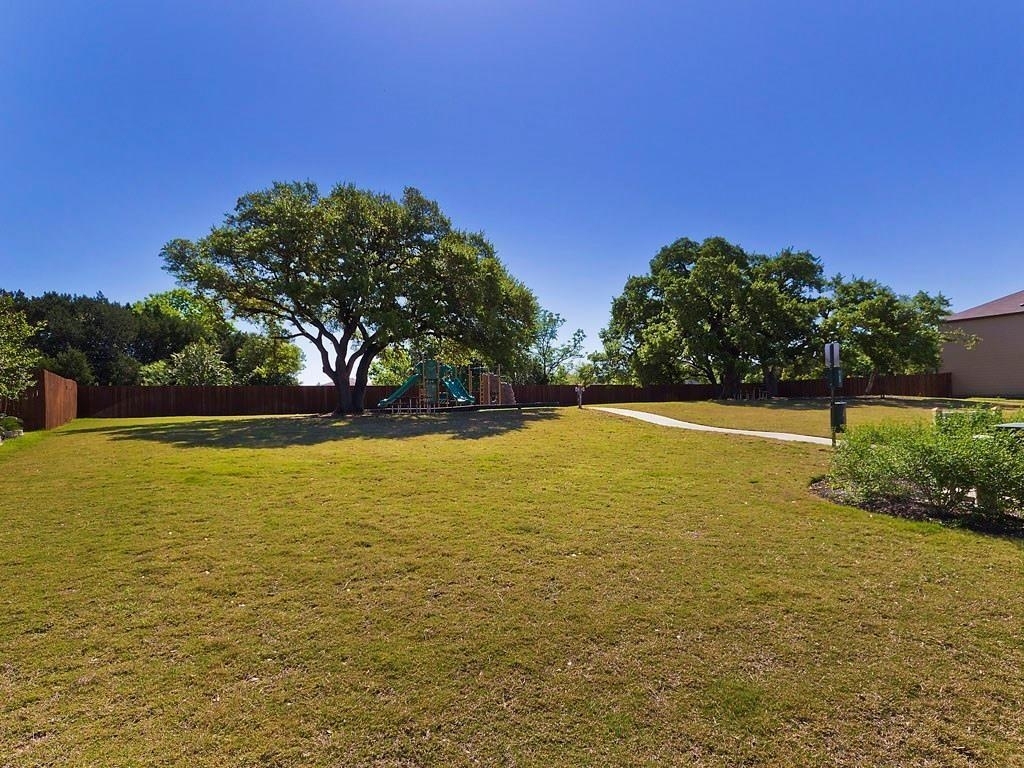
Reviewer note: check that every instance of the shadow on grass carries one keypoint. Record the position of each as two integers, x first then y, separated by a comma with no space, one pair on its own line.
280,432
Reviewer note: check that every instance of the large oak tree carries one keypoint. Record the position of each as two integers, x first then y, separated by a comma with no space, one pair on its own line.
355,272
712,311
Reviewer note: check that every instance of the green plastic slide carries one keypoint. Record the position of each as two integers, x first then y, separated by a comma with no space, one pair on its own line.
457,391
408,384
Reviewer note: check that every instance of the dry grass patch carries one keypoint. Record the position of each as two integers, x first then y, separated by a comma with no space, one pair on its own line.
802,417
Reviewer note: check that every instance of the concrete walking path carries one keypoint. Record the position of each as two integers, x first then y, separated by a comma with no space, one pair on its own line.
665,421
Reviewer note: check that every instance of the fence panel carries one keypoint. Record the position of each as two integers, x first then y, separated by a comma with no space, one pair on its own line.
140,402
909,385
50,402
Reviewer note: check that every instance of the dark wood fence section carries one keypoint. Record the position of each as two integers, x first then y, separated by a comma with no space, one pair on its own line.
54,400
50,402
910,385
139,402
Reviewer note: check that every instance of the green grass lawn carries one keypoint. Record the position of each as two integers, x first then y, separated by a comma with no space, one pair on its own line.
803,417
545,589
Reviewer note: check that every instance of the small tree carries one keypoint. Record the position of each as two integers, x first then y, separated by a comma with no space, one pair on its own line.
547,357
267,360
17,358
391,367
199,364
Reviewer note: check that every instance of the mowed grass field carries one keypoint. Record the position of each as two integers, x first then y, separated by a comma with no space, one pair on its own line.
811,416
559,588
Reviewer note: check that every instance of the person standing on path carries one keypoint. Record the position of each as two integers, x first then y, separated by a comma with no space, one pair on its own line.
579,395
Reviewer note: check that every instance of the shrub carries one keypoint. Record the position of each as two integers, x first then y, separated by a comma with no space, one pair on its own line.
10,423
938,465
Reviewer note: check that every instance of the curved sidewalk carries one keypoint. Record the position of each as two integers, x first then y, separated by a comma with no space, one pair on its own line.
665,421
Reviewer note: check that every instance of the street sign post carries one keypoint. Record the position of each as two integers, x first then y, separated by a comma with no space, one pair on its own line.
832,354
834,376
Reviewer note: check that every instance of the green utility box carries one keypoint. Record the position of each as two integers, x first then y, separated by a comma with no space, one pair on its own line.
839,416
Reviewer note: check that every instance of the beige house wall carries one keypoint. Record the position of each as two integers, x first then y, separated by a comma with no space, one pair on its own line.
995,366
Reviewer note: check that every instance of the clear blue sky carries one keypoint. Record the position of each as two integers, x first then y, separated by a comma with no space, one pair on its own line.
885,137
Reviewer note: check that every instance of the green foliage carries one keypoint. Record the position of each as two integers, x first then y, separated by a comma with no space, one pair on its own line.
10,423
610,365
71,363
267,360
204,318
356,272
95,341
585,374
199,364
392,366
17,358
939,465
156,374
170,321
711,311
549,361
101,330
883,333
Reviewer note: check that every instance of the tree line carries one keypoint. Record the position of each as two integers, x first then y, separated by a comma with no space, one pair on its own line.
174,337
375,283
714,313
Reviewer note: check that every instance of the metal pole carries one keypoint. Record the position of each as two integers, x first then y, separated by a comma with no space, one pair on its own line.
832,403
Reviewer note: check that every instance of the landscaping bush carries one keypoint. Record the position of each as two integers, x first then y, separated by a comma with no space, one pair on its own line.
10,423
938,465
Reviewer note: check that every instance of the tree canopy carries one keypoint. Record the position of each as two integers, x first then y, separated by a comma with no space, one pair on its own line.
547,360
97,341
711,311
882,332
355,272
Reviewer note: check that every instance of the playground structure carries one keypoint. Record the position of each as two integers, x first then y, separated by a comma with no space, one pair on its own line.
494,391
434,385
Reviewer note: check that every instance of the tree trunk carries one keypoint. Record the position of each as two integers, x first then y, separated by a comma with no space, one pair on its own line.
730,384
771,382
341,385
871,382
359,396
362,377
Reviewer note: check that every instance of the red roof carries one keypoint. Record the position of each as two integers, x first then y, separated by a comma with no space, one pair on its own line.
1008,305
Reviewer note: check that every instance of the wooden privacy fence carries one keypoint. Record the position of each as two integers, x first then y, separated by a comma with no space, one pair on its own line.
138,401
54,400
50,402
909,385
922,385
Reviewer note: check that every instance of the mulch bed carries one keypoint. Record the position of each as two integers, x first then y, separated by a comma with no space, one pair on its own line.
1008,525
